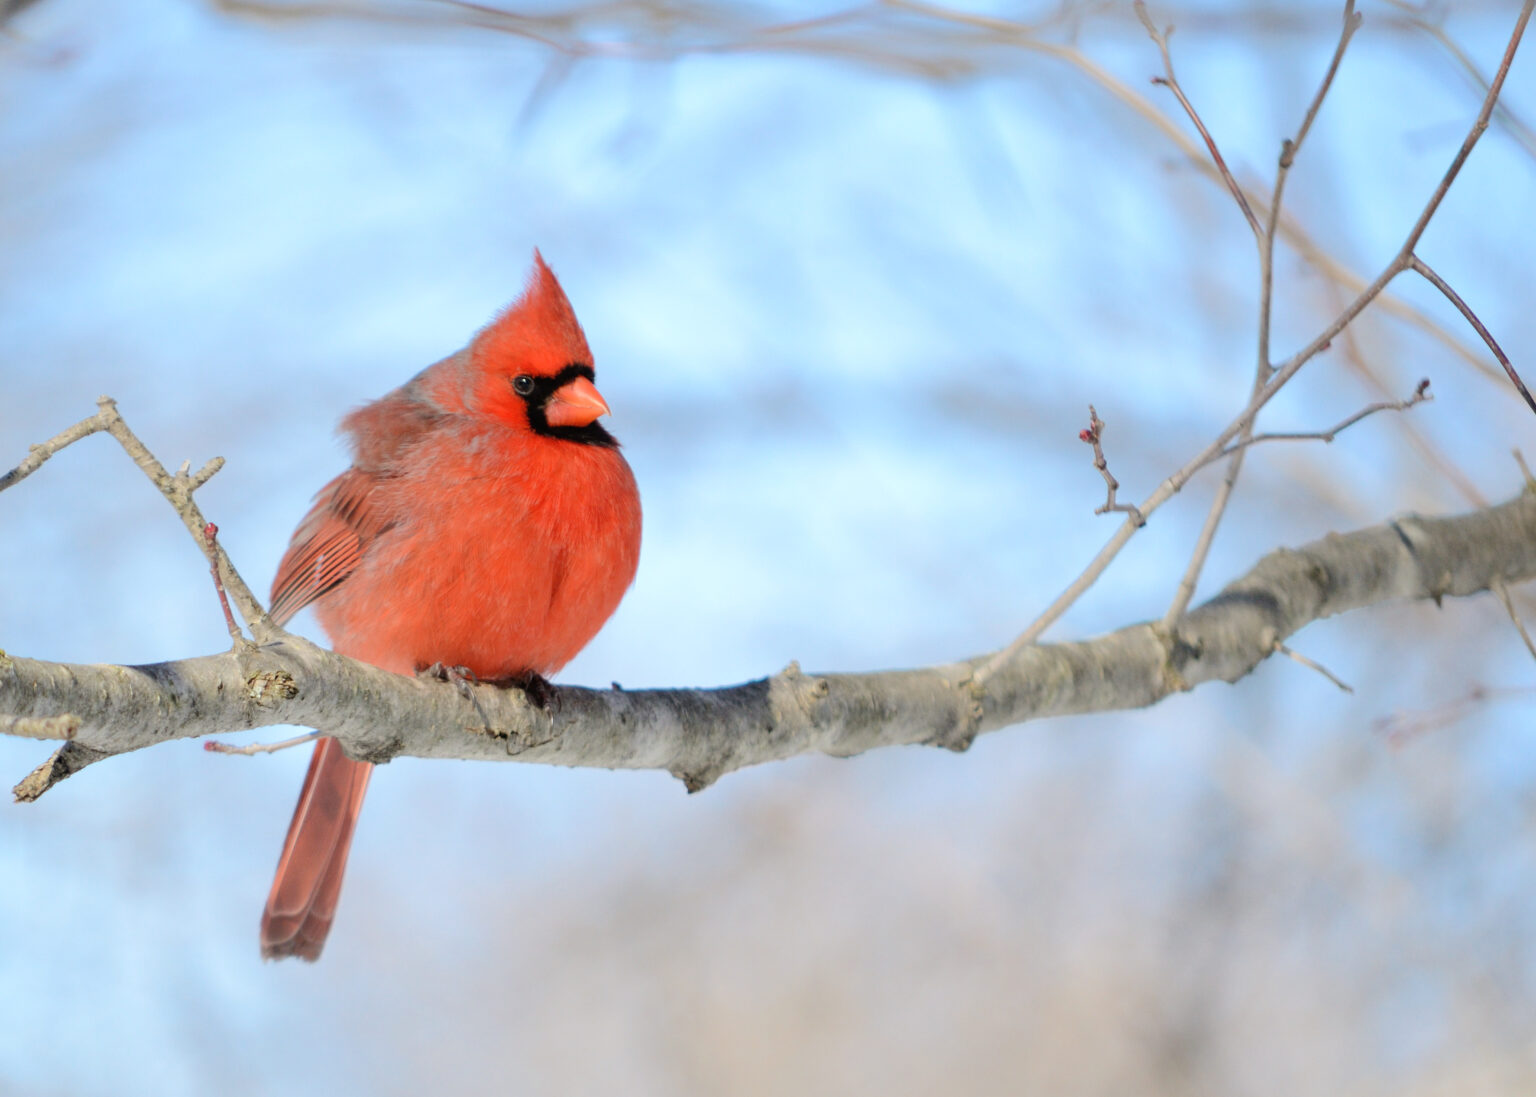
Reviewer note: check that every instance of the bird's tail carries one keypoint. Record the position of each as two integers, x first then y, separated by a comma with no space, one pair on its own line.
308,883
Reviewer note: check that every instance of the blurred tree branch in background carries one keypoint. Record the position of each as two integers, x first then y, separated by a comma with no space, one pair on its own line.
907,37
9,8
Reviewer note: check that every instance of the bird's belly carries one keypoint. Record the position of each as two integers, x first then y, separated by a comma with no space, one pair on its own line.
492,584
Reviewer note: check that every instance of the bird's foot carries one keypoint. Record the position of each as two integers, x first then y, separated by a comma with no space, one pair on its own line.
462,678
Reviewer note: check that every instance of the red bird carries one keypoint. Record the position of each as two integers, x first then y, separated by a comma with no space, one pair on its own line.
488,523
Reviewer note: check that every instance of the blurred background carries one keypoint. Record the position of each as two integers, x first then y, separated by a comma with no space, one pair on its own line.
851,277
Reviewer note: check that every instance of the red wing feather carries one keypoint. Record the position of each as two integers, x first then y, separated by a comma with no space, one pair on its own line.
329,543
347,515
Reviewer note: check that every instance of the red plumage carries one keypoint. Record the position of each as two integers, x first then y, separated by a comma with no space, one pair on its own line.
487,522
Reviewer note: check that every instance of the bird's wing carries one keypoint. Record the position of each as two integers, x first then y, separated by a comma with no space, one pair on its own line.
329,543
348,514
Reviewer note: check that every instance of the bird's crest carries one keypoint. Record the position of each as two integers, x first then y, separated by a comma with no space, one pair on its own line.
538,333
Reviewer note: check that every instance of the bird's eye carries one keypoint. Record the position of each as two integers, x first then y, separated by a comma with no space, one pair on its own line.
522,384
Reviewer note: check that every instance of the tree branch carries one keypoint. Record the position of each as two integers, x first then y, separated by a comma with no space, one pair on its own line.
1263,367
1478,326
1170,81
1094,436
177,490
1279,377
1420,395
700,734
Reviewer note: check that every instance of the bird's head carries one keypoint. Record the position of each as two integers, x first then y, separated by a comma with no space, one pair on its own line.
532,368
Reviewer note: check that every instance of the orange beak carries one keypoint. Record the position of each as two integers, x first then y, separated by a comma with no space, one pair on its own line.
575,404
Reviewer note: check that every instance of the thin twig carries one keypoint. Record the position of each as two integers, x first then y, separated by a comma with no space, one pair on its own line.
1421,395
1020,36
1324,671
215,747
1262,367
1462,307
1516,127
1288,151
39,453
1509,607
1525,470
1431,453
1171,82
177,489
204,474
1093,436
211,548
1402,726
1352,20
1174,483
1478,128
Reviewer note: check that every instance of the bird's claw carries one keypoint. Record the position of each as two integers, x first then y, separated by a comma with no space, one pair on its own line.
462,678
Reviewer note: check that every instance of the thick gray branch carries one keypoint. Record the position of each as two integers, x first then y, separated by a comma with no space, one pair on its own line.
699,734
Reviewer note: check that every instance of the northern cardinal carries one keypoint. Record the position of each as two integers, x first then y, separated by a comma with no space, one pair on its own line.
488,524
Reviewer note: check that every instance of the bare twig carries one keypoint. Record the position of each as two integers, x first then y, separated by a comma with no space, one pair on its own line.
1401,727
1516,127
1262,367
204,474
1288,152
211,548
1462,307
1171,82
39,453
1467,145
1509,607
177,489
1093,436
1021,37
215,747
1277,381
1313,665
1421,395
1431,453
1525,470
